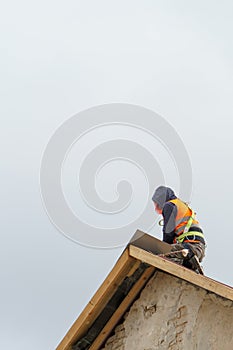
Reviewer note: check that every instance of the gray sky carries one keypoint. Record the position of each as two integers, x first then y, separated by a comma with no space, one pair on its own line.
59,58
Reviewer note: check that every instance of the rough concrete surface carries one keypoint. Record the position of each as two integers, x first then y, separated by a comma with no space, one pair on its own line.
173,314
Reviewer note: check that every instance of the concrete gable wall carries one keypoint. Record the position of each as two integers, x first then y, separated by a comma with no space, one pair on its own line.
174,314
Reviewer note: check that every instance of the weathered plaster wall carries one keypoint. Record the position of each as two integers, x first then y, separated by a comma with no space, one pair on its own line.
173,314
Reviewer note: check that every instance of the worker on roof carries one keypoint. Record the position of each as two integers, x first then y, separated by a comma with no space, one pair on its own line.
180,227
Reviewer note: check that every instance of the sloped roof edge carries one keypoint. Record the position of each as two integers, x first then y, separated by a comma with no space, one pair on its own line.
121,287
165,265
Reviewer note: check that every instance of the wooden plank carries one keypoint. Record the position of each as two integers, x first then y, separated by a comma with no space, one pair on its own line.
130,297
123,266
149,243
134,268
182,272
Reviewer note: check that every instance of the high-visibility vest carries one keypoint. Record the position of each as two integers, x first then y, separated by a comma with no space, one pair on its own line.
185,219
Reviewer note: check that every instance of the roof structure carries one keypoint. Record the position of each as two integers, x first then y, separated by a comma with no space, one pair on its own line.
122,286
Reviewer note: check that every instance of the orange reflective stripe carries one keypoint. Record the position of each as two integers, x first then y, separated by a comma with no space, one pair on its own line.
186,218
180,229
191,241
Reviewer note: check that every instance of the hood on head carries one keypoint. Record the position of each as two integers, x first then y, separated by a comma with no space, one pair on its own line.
162,195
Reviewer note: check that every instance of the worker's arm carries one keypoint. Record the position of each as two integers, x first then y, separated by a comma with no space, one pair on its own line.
169,215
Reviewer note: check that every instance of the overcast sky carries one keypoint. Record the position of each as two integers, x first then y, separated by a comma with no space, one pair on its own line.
62,57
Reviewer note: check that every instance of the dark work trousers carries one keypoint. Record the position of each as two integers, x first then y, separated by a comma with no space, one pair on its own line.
197,248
